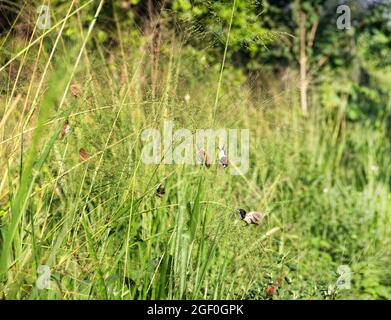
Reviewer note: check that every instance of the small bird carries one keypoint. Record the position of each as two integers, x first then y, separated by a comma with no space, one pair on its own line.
75,90
160,191
280,278
251,217
83,155
65,129
90,100
203,158
125,5
273,287
223,158
187,98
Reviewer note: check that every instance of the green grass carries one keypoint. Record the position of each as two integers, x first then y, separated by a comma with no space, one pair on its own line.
322,180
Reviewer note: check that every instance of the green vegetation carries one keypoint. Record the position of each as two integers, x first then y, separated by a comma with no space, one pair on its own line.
320,162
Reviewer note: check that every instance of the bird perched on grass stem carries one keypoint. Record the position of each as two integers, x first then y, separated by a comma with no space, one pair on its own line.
75,90
252,217
223,158
83,155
